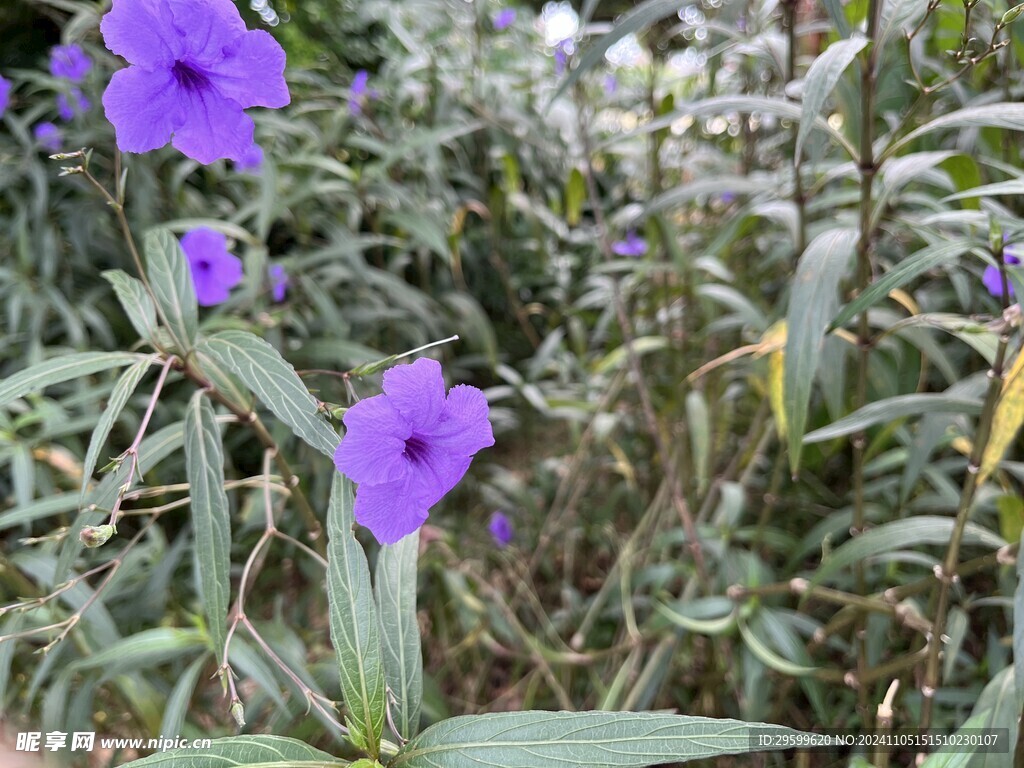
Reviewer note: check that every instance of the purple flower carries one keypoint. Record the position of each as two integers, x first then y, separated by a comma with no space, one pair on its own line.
194,69
408,447
360,93
77,104
5,94
278,282
992,278
727,198
501,529
252,161
69,62
48,135
633,245
504,18
214,271
562,51
611,84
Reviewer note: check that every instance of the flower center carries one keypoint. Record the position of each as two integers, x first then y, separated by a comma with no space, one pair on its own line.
415,449
189,78
203,264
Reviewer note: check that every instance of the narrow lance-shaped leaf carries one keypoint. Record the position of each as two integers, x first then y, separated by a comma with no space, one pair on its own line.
395,588
812,305
171,280
211,517
355,631
135,301
821,79
580,739
264,751
1006,421
275,383
895,407
118,397
58,370
1006,115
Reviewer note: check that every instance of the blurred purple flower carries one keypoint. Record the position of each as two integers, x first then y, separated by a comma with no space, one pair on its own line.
992,278
563,49
48,135
76,104
214,271
194,69
741,23
5,94
69,62
611,84
278,282
501,529
633,245
252,161
360,93
409,446
504,18
727,198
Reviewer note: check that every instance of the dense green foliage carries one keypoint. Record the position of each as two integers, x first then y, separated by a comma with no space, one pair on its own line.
765,471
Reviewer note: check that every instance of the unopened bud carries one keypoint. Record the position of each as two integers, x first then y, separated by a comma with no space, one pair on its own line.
238,712
96,535
1011,15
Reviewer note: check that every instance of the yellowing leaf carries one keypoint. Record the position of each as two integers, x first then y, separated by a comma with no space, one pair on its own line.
1011,516
775,339
1006,421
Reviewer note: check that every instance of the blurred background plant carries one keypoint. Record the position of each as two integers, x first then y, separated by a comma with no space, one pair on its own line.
639,226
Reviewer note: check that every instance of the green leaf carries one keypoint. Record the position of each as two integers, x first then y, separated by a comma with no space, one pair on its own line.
903,535
1014,187
251,751
144,649
698,422
118,397
584,739
275,383
171,281
768,656
395,590
908,268
355,631
812,304
211,516
1006,115
575,194
821,79
60,369
181,696
896,407
136,302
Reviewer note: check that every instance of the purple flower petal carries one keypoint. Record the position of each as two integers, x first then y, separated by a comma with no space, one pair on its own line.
64,110
215,127
359,82
143,32
417,391
992,278
214,271
500,528
373,449
611,84
463,426
144,107
48,135
278,282
252,72
69,62
388,511
206,28
5,94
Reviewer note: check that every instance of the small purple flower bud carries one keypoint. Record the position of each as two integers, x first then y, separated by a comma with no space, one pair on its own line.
633,245
501,529
504,18
278,282
251,162
727,198
48,135
214,271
